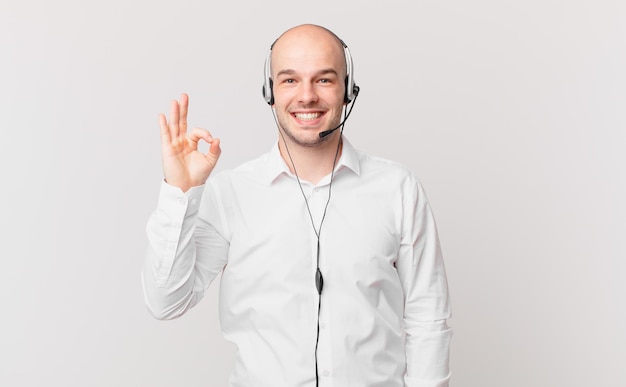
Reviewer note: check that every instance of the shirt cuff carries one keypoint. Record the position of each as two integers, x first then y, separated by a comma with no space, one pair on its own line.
172,200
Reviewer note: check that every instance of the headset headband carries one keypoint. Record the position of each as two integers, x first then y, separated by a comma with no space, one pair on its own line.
351,88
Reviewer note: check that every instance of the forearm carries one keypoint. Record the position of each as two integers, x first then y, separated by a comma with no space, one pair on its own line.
168,276
427,309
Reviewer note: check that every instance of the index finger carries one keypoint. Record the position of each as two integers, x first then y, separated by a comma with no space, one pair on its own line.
184,107
174,119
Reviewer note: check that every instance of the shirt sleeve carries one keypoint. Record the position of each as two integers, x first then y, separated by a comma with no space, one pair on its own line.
185,252
427,307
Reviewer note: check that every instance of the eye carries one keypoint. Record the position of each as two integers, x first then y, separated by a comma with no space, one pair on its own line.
289,80
324,80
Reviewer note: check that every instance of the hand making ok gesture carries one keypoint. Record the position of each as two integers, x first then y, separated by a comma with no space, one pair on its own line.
183,165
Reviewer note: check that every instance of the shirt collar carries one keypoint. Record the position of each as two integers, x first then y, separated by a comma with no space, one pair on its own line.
276,166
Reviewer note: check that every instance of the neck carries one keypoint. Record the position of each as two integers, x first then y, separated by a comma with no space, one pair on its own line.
311,163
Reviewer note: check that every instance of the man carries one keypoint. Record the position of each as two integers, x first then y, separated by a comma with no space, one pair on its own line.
341,290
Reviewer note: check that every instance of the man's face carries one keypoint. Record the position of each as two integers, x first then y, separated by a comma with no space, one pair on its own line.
308,69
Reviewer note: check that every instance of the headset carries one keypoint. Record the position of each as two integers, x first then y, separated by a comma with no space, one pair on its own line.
352,90
350,95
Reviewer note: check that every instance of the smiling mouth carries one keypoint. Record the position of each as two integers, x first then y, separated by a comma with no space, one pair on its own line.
307,116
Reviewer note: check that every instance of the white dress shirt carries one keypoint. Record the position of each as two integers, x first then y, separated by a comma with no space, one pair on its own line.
384,303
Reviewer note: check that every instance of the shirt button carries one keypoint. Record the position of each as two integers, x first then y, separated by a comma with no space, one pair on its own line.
322,326
182,202
326,373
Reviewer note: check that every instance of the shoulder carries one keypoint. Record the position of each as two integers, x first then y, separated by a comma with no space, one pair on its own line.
394,179
376,166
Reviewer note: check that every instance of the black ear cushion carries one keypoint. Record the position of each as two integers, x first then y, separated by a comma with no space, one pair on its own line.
271,91
355,91
268,95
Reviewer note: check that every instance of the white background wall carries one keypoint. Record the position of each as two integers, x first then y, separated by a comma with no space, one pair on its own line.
511,112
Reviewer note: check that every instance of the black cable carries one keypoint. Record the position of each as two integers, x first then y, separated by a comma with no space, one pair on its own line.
319,279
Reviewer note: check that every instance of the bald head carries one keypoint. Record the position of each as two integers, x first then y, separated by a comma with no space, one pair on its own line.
309,29
308,42
306,84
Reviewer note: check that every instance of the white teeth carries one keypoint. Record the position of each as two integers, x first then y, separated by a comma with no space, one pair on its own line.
307,116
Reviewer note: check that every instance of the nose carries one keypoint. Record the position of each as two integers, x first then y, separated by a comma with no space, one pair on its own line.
307,93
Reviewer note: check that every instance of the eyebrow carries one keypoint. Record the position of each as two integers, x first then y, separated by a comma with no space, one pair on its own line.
320,72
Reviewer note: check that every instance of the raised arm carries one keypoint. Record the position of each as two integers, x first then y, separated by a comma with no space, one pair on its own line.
184,254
